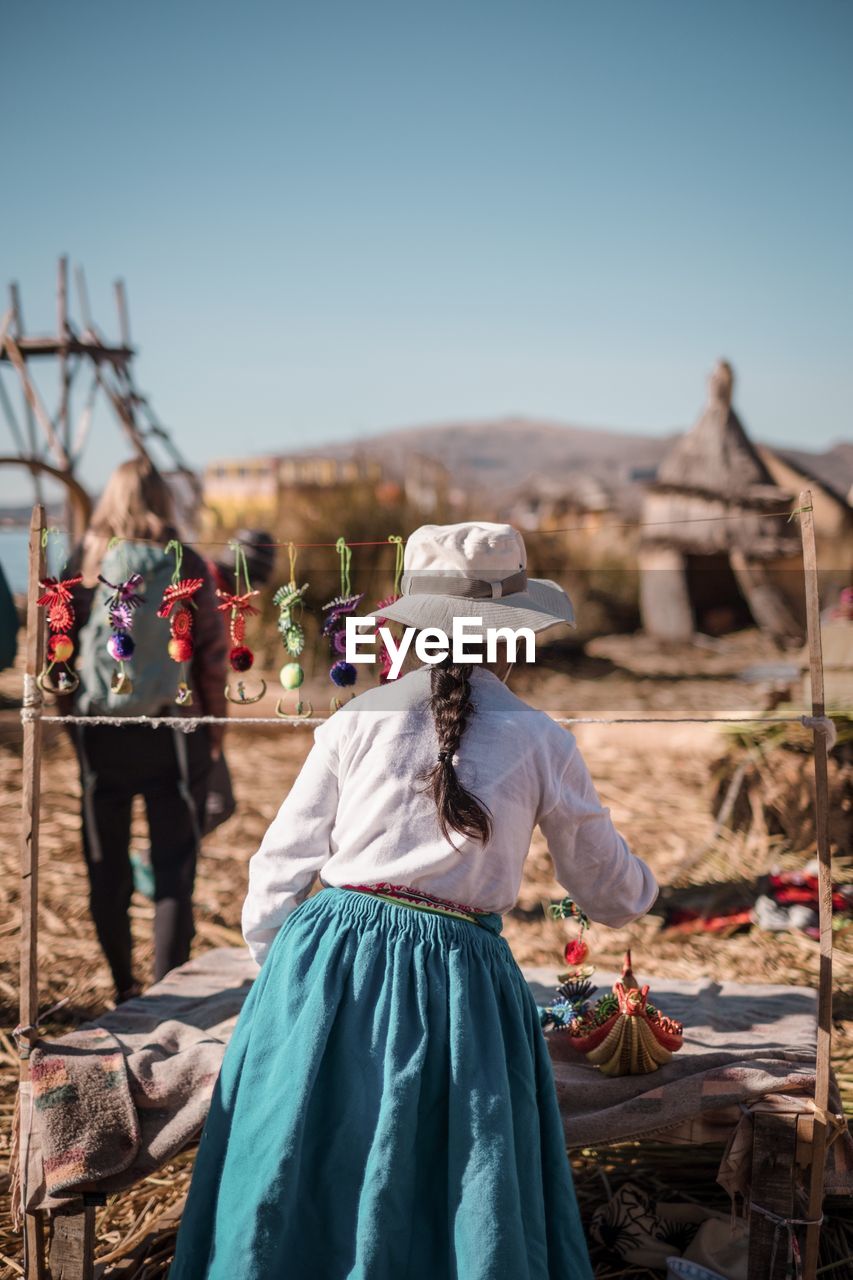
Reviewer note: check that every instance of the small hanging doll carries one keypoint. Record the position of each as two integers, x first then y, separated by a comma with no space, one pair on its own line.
177,606
384,657
342,673
240,606
58,602
290,601
121,606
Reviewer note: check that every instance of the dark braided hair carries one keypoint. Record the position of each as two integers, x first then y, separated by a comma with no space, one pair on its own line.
450,703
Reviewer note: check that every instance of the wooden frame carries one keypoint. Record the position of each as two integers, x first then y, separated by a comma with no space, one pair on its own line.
774,1135
48,436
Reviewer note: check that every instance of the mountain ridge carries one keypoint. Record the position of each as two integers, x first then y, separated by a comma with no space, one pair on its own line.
511,452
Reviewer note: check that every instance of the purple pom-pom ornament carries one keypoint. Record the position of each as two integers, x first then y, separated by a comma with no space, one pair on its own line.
121,616
120,646
343,674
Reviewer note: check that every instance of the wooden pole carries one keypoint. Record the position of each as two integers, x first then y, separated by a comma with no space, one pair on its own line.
83,298
123,317
34,401
821,771
774,1164
63,413
63,418
15,302
30,789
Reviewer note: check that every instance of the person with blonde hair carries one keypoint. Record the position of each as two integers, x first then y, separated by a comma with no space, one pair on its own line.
128,533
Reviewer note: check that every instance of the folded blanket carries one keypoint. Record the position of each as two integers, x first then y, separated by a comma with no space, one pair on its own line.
109,1104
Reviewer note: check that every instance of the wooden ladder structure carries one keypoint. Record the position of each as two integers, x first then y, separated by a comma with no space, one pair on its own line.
49,443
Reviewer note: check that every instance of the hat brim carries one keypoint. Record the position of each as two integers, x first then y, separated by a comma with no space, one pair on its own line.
544,604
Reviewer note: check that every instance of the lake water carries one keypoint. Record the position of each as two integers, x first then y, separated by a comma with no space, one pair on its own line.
13,556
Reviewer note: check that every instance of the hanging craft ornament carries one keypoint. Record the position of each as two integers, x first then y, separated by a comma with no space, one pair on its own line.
239,603
576,949
621,1032
384,657
177,606
291,600
342,673
121,606
58,603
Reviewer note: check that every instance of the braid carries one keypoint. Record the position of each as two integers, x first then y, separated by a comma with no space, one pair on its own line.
450,703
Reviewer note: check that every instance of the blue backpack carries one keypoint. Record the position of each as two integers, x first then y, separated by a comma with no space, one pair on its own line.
153,674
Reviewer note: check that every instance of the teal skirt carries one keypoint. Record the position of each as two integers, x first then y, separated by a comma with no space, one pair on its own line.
386,1110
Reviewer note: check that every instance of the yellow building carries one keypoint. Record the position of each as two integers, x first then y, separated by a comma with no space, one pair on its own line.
241,491
252,491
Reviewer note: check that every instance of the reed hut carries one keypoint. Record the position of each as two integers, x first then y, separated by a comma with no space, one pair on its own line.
711,553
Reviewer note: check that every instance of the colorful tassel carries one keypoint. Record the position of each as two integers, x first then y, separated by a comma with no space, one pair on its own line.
239,605
176,605
121,607
290,600
57,601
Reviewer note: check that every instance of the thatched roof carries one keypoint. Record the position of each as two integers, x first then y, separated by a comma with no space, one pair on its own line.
714,493
717,457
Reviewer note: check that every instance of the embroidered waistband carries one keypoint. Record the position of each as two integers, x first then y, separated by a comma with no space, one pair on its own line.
418,899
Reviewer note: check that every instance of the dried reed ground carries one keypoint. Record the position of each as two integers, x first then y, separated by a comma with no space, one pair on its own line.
656,780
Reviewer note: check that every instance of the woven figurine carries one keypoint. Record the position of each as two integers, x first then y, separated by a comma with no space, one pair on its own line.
177,605
621,1033
121,606
238,604
290,600
58,602
342,673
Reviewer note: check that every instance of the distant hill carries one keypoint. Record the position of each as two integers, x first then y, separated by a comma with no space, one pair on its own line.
833,467
503,454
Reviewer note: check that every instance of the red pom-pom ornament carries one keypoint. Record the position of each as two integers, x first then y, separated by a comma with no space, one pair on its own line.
241,658
180,649
60,648
576,951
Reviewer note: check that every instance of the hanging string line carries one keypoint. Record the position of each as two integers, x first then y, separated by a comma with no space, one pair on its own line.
188,724
604,528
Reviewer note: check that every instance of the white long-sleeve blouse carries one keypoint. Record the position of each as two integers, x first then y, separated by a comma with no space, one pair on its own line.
359,814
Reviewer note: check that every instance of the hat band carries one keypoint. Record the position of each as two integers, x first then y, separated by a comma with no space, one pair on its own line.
435,583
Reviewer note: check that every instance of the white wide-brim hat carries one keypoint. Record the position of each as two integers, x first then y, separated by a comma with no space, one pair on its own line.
474,570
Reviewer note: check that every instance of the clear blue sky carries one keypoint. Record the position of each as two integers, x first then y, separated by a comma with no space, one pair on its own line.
336,217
